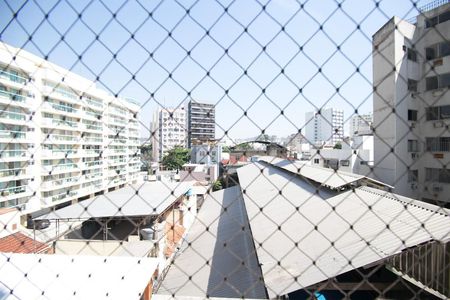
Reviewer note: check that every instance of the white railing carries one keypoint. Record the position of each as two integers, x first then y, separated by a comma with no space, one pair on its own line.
10,134
13,153
13,190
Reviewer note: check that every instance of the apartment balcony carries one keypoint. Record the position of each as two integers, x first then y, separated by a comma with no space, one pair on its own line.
60,109
14,78
94,103
14,99
15,192
92,116
66,196
117,162
117,122
61,139
92,128
13,174
117,151
14,155
92,140
91,177
88,165
61,153
90,152
11,136
115,181
14,118
112,173
60,183
117,142
60,168
60,94
60,124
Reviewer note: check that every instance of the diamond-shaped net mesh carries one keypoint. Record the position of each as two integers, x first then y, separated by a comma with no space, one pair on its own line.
215,148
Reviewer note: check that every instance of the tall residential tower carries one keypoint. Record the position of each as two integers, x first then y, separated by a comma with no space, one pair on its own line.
168,131
201,123
61,138
411,76
324,126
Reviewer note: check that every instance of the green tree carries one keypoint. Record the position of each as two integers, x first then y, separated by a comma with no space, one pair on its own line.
226,149
217,185
337,146
244,146
176,158
146,157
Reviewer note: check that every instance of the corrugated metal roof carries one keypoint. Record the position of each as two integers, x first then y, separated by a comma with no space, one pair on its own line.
148,198
323,176
221,260
303,238
69,277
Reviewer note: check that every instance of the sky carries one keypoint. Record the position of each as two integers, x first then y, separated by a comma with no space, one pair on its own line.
263,63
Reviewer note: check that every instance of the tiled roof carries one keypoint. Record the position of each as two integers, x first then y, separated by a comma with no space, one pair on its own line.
20,243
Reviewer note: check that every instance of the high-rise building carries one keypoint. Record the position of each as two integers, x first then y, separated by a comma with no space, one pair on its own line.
361,124
411,76
168,131
324,126
200,123
61,138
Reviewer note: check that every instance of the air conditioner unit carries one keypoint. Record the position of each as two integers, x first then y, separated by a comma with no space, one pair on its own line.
414,155
438,62
437,188
438,124
414,186
413,124
437,92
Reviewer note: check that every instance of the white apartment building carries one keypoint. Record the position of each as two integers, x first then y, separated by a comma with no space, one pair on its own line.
360,124
411,75
61,138
168,130
325,126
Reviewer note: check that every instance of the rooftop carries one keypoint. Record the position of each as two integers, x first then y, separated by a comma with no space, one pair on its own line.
341,231
224,251
20,243
148,198
68,277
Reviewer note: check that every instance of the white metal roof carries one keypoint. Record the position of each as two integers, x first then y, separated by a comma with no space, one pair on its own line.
324,176
148,198
32,276
296,228
217,253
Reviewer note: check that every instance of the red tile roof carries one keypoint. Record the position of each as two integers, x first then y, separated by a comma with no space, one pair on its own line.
20,243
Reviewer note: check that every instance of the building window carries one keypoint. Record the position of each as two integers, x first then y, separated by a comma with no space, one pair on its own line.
437,113
412,115
436,144
412,85
437,175
413,175
345,163
316,161
411,54
437,82
413,146
437,20
437,51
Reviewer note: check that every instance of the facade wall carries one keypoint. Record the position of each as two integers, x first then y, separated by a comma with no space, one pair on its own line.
396,127
168,131
326,127
61,138
200,123
360,123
